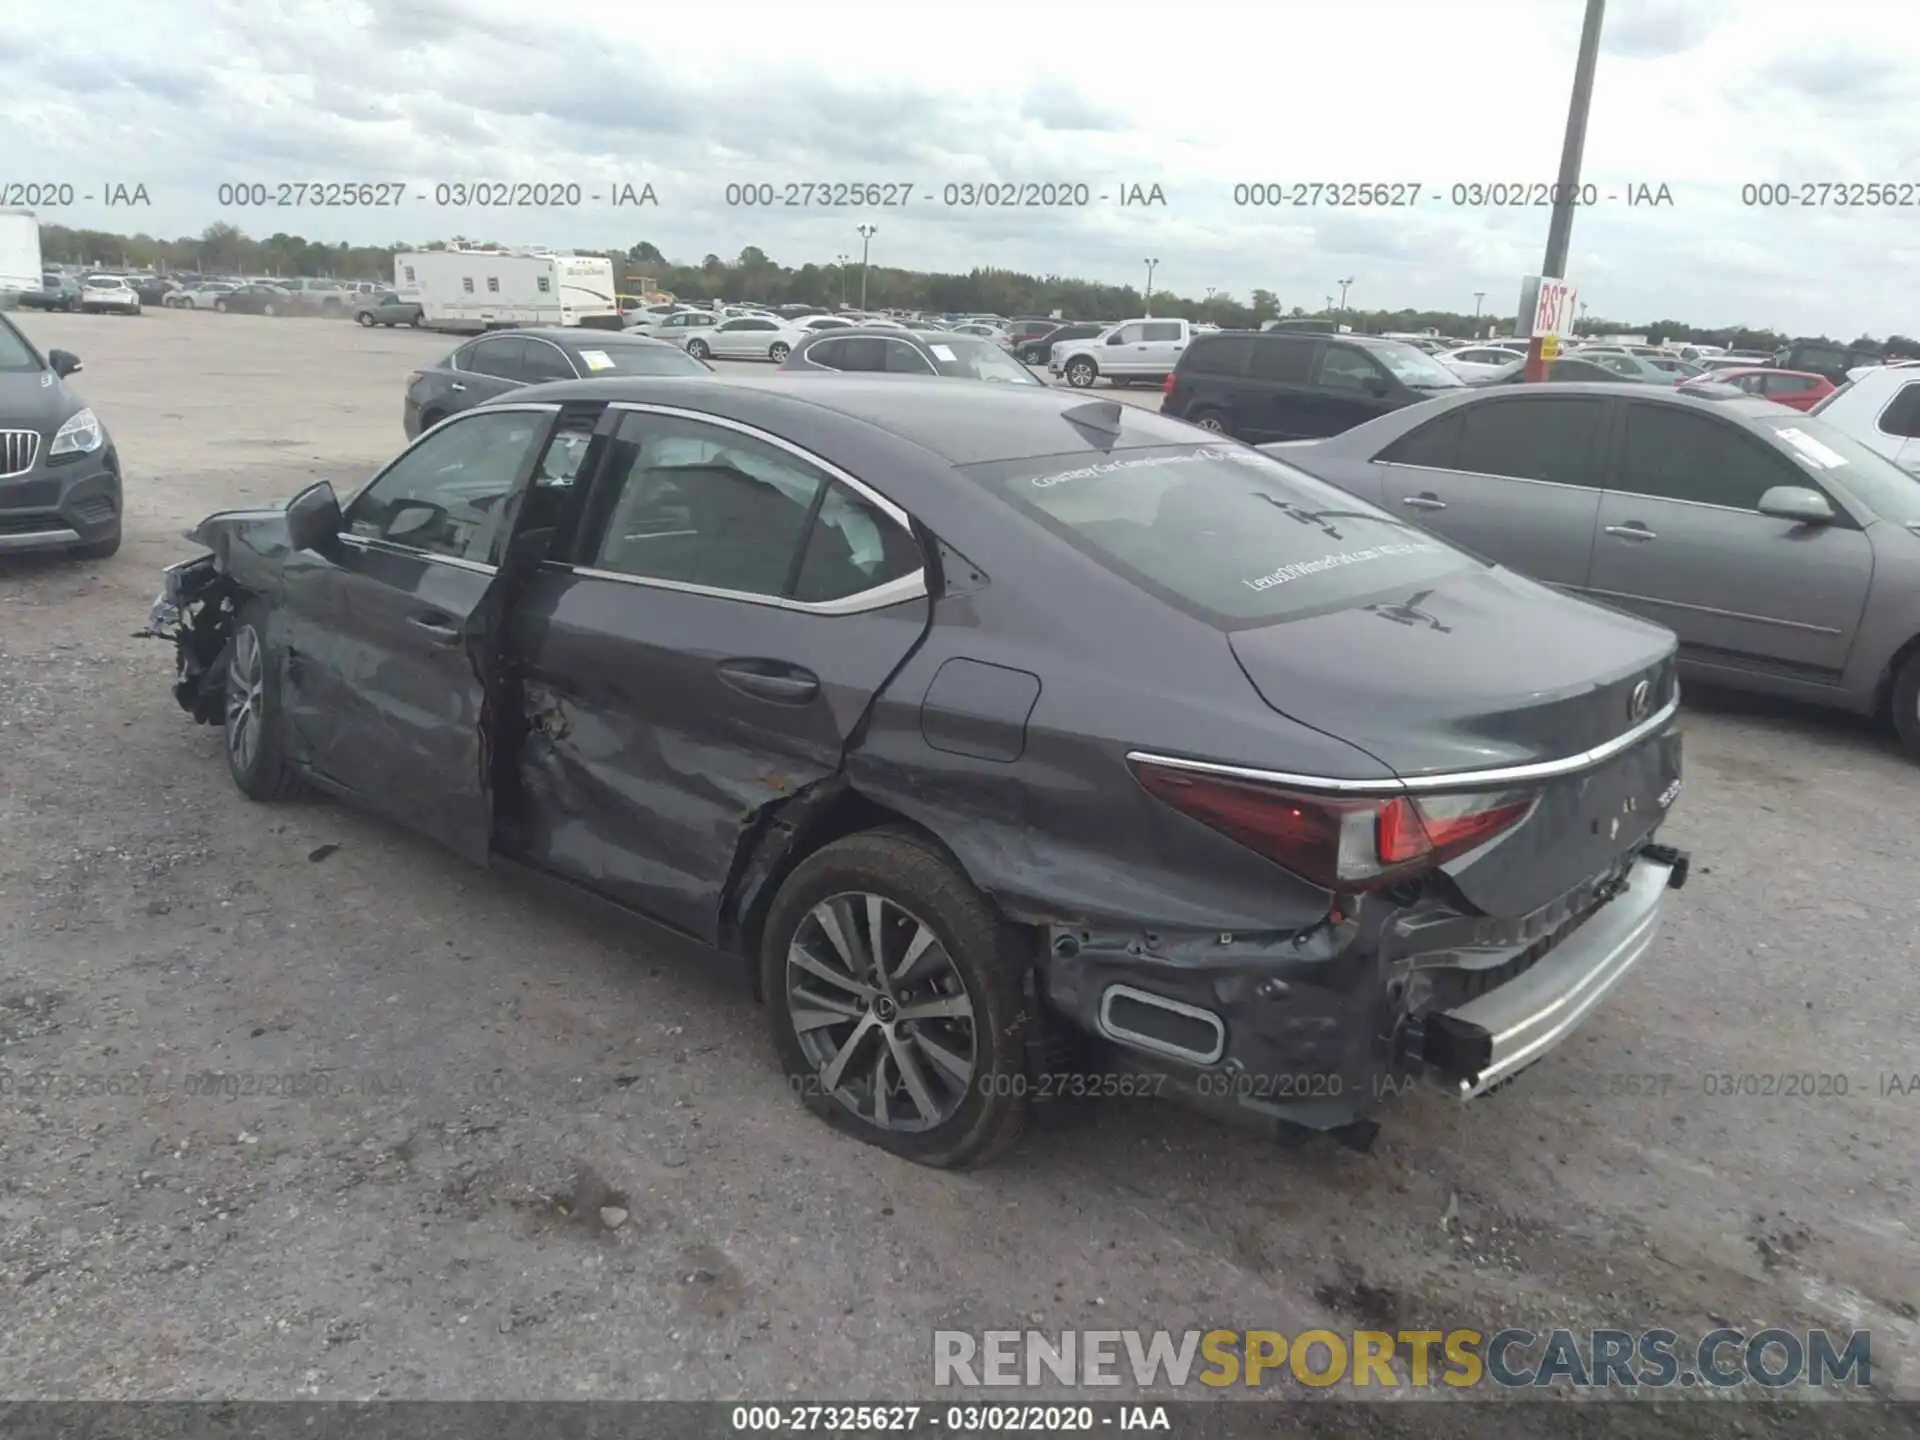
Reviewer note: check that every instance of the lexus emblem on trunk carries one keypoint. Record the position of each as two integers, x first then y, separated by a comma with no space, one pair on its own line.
1640,700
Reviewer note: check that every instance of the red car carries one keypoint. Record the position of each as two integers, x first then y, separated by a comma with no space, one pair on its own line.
1799,388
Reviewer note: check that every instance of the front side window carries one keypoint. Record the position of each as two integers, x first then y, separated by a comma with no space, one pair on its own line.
697,504
1161,330
1344,369
446,494
1223,532
1675,454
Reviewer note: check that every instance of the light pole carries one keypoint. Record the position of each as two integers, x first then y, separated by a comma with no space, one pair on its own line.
1478,296
841,261
1560,227
1151,264
867,232
1343,292
1583,317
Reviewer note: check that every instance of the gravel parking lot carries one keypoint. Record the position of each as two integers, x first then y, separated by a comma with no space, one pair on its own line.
548,1163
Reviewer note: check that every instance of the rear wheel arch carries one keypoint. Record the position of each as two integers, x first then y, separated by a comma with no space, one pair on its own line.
833,812
1896,698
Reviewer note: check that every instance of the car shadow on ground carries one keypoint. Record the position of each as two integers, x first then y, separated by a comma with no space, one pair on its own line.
1787,719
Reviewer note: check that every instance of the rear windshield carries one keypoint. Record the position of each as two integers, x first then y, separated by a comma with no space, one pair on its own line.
638,360
1836,458
1224,532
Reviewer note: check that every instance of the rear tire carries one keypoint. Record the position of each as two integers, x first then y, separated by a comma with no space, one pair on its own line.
365,317
943,1088
220,306
1210,420
1904,702
698,349
778,351
250,708
429,419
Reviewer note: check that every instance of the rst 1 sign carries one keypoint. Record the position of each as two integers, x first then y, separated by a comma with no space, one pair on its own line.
1548,307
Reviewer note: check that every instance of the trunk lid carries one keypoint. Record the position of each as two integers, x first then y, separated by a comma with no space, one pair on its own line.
1487,671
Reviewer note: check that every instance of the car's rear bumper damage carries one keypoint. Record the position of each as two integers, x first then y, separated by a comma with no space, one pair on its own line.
1316,1030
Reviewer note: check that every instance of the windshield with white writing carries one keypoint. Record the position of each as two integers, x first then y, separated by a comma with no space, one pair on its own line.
1223,532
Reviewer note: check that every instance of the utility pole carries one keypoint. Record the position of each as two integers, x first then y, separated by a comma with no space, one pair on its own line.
1343,292
1572,149
1149,294
867,232
841,261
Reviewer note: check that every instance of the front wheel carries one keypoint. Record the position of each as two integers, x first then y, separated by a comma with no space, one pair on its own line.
255,757
1904,701
897,1001
698,349
779,351
414,321
365,317
1081,373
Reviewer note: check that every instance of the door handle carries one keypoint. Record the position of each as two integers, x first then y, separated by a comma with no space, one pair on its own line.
1424,502
456,386
436,627
771,680
1631,532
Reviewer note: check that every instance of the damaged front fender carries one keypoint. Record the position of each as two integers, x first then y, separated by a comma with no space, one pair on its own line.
195,611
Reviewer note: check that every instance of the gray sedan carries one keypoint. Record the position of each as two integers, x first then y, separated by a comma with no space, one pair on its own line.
1785,555
387,309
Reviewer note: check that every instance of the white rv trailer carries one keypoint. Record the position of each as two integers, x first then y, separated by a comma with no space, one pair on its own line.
19,255
475,290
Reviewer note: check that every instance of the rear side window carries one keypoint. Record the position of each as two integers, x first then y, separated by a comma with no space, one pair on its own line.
1280,359
1218,355
1902,417
1224,533
1524,439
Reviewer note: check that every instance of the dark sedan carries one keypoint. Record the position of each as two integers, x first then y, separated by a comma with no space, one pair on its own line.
506,360
1034,351
59,472
56,292
259,300
1567,370
997,733
884,350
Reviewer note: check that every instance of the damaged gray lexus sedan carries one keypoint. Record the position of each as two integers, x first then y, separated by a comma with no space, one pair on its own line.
1020,745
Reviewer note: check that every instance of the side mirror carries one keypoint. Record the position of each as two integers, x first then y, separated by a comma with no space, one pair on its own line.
1116,339
63,363
313,517
1798,504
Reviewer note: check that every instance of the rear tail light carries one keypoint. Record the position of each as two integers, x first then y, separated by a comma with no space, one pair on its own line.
1339,844
1166,385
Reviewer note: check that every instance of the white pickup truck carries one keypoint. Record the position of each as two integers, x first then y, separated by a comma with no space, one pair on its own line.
1132,352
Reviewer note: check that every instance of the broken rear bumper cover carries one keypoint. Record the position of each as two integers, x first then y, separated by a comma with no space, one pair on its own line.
1316,1031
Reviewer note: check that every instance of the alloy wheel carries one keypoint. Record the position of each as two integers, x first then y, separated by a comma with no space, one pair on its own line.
246,698
881,1012
778,352
1080,374
1211,422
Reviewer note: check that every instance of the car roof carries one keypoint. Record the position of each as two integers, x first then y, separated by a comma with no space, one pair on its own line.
577,335
963,424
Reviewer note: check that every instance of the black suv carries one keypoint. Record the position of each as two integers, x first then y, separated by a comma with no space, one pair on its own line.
1280,385
1035,348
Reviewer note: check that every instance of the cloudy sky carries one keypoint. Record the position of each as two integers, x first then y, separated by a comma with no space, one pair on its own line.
183,96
